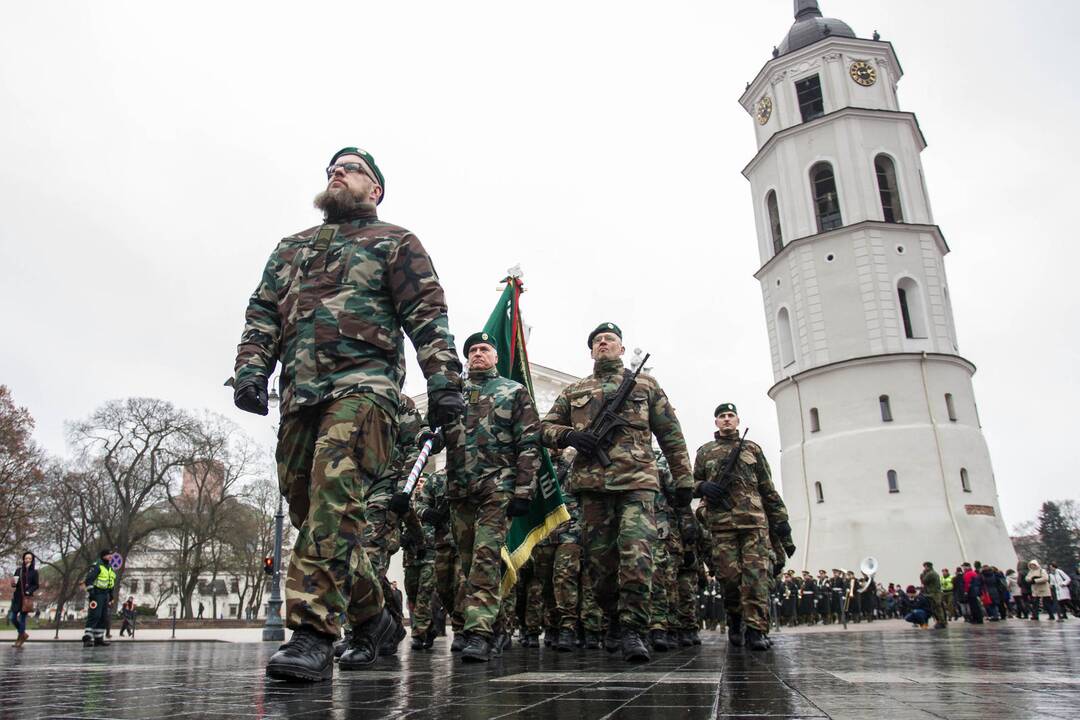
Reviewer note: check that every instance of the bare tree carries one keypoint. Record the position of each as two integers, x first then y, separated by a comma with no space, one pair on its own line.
251,540
22,465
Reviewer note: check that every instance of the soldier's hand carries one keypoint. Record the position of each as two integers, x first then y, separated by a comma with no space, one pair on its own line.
583,442
444,406
778,569
250,395
399,504
435,516
436,437
712,491
518,506
683,496
789,547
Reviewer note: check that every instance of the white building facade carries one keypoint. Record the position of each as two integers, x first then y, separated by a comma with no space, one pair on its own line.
882,450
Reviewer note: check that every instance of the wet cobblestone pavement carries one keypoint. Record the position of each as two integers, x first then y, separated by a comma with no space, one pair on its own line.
1017,669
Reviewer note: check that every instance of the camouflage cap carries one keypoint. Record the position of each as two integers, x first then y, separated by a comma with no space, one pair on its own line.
375,174
476,339
725,407
604,327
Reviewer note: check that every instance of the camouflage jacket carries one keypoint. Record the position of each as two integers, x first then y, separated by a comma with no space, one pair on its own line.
495,441
756,504
569,533
331,306
667,517
431,495
649,413
406,449
415,553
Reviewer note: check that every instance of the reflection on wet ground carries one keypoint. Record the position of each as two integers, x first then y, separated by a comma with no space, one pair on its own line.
1016,669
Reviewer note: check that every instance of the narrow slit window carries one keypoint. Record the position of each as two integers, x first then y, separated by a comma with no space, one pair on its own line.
886,408
950,406
815,424
888,189
911,308
787,341
819,492
965,481
894,486
775,229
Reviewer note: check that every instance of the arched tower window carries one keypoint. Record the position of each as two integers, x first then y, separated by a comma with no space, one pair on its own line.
819,493
787,342
826,199
950,406
894,485
774,222
888,189
965,482
886,409
911,308
815,423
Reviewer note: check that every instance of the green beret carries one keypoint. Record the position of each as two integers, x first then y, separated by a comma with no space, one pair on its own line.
370,163
604,327
725,407
476,339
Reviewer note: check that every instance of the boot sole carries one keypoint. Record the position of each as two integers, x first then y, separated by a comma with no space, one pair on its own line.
294,675
636,658
474,659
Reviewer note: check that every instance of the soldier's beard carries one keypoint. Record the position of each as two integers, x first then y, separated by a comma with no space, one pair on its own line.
338,203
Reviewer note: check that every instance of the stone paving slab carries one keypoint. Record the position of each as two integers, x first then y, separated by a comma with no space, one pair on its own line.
1015,670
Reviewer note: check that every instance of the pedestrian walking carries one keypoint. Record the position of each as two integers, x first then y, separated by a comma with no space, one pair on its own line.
25,585
127,613
1040,590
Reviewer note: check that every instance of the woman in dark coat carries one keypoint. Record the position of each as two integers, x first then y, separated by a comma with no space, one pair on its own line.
991,594
25,584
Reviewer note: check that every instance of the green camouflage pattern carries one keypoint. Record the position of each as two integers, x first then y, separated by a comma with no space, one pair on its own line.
494,445
480,524
328,457
661,607
649,413
740,561
755,501
618,535
420,614
553,591
430,494
331,307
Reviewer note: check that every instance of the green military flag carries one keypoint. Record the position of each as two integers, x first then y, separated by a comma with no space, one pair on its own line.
548,510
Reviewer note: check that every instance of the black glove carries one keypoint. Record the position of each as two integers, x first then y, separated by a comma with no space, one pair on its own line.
420,554
399,504
689,532
778,568
436,437
712,491
683,496
518,506
435,516
580,440
444,406
250,395
789,547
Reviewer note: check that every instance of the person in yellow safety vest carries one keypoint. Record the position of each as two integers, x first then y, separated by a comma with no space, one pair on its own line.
947,593
99,583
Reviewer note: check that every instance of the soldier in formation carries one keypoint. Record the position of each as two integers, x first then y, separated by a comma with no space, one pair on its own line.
333,306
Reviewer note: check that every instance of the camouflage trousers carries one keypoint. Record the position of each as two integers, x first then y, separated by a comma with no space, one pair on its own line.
664,598
412,583
618,533
592,619
328,457
741,564
686,613
420,612
480,525
553,590
381,537
447,581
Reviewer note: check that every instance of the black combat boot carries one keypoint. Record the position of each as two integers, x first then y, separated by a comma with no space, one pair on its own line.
340,646
755,640
695,639
459,642
367,641
532,641
101,642
417,642
684,639
477,649
735,630
613,639
308,657
633,647
87,641
658,640
549,638
429,639
565,643
592,640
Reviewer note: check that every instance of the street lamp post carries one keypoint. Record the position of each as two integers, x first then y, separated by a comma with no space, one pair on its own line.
274,629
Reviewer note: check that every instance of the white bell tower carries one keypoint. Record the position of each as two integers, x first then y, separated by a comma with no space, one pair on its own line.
882,451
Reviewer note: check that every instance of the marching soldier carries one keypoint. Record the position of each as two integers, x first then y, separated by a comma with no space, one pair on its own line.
492,459
99,583
665,595
691,575
617,499
434,511
742,504
418,560
931,583
331,307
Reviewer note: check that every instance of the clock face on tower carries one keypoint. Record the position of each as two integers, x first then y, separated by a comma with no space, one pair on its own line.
764,109
863,73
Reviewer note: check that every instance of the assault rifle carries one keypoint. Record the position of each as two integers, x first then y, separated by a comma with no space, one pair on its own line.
726,477
608,421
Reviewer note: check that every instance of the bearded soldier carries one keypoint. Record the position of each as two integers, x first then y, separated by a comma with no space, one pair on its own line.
331,307
618,527
734,478
492,459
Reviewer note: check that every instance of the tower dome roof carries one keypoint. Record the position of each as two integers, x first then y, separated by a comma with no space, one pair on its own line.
810,27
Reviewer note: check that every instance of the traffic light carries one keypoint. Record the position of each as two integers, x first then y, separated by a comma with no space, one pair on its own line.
268,565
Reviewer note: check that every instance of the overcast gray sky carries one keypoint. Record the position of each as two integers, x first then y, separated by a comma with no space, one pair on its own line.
152,154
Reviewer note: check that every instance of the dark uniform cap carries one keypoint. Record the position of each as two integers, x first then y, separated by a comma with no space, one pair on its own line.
370,163
477,338
725,407
604,327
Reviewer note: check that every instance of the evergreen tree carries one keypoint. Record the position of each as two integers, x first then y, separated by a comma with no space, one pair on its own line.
1057,537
